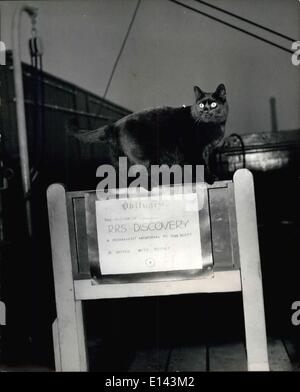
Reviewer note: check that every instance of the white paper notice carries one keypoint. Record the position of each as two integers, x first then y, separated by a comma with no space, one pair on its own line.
149,234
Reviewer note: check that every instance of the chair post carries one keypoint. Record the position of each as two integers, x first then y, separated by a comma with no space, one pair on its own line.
68,334
56,346
252,290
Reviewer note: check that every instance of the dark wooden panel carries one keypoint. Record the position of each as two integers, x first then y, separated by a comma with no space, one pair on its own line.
7,112
100,106
221,226
58,96
233,226
28,86
55,139
64,101
72,235
80,227
81,101
97,123
8,115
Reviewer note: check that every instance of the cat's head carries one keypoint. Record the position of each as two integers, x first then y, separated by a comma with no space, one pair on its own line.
210,107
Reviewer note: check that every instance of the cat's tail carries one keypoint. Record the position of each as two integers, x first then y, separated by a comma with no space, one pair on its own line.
88,136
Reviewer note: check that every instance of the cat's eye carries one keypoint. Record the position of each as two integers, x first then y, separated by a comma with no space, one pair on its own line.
213,104
201,105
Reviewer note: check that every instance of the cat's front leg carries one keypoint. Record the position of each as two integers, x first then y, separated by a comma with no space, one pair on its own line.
209,176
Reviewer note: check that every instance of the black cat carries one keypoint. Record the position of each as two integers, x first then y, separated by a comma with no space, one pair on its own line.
167,135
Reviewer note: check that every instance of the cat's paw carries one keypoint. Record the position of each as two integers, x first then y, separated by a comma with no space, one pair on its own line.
210,178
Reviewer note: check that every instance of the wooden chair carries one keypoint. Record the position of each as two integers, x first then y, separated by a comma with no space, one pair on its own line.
236,268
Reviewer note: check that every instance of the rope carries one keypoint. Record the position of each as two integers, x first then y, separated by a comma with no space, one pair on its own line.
120,52
245,20
231,25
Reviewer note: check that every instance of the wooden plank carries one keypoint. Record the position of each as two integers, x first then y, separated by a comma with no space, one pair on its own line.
81,337
220,228
81,237
72,235
227,357
63,279
254,314
233,226
278,357
150,360
55,335
222,281
188,359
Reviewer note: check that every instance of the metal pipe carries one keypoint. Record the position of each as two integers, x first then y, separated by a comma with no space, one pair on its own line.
274,122
20,108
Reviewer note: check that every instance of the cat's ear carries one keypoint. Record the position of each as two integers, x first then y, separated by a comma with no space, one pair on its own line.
220,92
199,94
